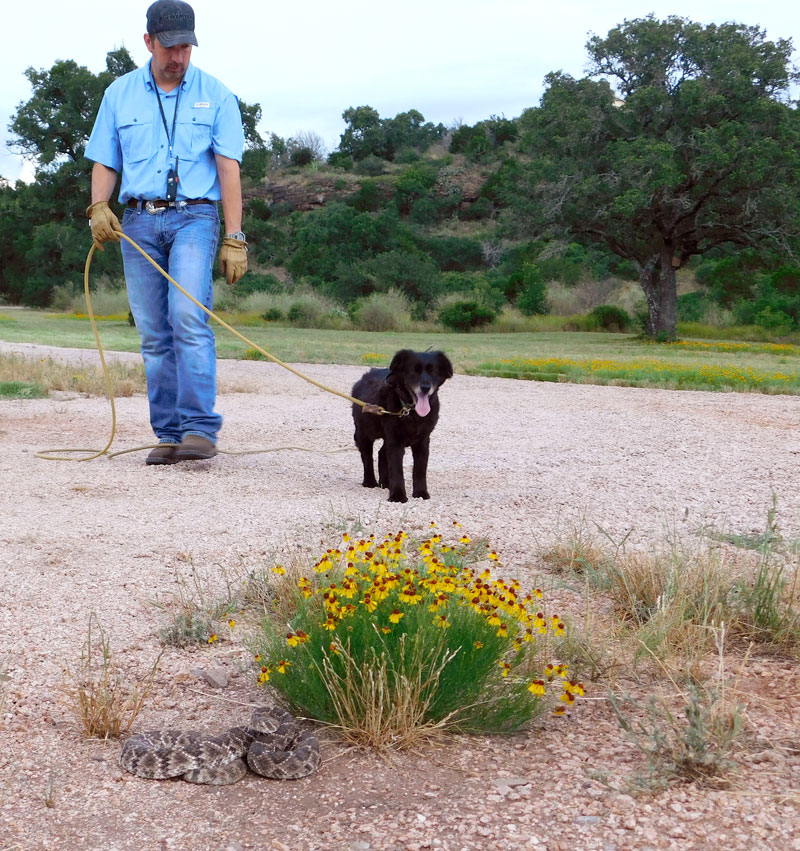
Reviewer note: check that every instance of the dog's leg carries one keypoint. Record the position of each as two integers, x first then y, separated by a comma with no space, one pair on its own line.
364,445
420,450
383,467
393,462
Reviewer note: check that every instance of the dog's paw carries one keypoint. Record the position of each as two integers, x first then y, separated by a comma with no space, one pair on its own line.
368,484
398,497
421,495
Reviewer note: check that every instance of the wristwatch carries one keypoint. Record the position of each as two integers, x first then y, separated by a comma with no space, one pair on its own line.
237,234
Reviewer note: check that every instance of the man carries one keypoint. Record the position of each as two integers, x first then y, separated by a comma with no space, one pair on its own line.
176,135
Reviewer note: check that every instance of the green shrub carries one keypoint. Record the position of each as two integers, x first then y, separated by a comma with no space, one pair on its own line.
370,166
340,160
255,282
466,315
532,292
482,208
391,646
692,306
414,274
455,253
611,318
408,156
414,183
368,197
272,314
389,311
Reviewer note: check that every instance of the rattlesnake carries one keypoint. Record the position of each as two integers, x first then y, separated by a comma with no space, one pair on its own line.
272,745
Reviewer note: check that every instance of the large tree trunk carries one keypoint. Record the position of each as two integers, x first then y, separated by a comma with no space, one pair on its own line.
657,278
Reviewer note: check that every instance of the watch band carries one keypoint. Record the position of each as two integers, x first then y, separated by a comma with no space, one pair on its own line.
237,234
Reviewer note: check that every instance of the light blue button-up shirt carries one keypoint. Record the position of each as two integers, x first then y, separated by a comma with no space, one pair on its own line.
129,134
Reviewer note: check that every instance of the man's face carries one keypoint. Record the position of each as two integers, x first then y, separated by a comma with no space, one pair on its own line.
169,64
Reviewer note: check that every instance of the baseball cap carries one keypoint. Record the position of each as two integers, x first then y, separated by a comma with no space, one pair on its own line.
171,22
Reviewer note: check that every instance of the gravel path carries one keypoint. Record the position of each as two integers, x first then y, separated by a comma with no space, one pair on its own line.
521,463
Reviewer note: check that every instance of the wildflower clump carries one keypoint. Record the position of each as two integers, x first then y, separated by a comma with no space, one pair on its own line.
389,640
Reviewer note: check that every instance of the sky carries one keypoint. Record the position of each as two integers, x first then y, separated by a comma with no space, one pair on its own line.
305,62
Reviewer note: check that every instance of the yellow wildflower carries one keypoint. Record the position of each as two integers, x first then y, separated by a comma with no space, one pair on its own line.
395,616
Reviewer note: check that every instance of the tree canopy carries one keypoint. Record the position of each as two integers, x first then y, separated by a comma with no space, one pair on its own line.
697,147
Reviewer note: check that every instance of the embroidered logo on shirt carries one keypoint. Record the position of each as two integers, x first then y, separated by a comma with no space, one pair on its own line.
202,104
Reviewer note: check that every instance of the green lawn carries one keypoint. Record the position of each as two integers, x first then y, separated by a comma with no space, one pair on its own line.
573,356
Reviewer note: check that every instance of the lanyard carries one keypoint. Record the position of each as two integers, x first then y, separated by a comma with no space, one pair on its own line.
170,136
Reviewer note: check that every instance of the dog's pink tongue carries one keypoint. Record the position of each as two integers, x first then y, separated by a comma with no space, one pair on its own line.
423,406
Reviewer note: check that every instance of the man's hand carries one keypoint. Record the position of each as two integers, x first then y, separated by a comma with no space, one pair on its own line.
233,259
104,224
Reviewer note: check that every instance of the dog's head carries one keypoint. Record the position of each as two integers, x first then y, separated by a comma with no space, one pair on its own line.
421,374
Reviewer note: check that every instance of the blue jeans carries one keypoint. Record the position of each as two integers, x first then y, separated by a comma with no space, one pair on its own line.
178,344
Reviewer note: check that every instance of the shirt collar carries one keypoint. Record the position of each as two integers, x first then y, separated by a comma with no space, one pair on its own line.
186,82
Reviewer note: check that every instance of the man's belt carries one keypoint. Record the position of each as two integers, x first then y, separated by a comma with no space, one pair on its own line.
160,204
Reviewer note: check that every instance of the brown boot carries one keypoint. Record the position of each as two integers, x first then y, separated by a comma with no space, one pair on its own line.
163,454
195,448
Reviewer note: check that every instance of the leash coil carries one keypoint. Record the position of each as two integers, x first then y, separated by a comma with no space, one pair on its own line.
91,454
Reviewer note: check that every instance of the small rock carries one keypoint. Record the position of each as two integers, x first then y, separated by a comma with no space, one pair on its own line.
511,781
216,677
586,820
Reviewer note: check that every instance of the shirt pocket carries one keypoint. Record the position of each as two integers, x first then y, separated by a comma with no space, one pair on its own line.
135,138
194,136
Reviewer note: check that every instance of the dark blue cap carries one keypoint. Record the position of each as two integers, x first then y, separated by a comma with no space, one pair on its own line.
171,22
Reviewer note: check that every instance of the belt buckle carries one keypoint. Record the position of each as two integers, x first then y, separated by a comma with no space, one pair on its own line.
152,209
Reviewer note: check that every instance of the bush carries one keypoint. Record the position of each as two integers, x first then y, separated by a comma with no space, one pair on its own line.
482,208
611,318
391,646
532,298
692,306
309,309
340,160
368,197
272,314
466,315
389,311
456,253
370,166
255,282
413,274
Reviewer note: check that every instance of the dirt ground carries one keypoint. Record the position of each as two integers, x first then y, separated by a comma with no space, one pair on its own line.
522,464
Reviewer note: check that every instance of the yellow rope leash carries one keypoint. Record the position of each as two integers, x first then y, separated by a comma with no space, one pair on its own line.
91,454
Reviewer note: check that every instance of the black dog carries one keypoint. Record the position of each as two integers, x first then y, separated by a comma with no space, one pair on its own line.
409,384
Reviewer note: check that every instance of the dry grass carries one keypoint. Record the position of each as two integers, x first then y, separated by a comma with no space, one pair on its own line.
381,708
100,696
692,735
78,378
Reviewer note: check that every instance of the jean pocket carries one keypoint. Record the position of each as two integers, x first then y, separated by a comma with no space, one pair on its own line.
202,211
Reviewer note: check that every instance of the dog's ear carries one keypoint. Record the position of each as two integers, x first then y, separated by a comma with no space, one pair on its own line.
398,365
444,366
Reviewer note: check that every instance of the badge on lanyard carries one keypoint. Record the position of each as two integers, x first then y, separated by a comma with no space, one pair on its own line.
172,174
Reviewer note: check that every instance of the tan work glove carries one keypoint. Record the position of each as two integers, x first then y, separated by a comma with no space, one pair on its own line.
232,259
104,224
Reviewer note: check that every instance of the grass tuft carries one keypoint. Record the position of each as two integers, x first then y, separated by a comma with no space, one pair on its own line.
104,702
